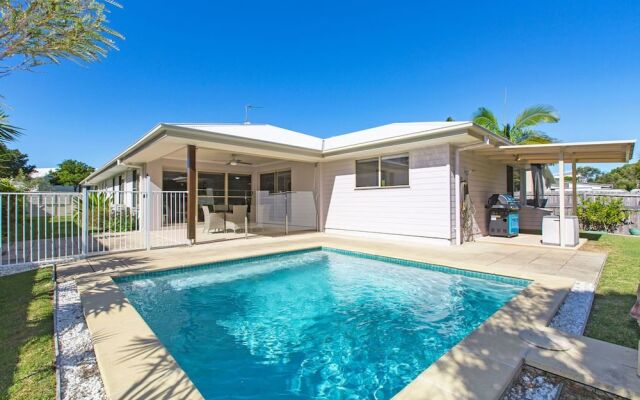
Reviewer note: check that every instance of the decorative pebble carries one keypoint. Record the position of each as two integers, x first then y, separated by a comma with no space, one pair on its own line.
80,377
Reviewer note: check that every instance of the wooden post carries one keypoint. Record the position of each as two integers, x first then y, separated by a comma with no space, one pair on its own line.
562,210
192,193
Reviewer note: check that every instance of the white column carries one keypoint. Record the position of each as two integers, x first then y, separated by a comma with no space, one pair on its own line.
574,188
562,210
457,208
523,187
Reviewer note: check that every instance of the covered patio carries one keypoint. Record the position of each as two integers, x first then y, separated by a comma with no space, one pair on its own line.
219,182
521,157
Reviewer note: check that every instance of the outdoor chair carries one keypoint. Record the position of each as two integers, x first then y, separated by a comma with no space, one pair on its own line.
212,221
235,220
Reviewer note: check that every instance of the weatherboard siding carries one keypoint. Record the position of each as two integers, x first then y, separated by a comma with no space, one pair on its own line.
485,178
421,210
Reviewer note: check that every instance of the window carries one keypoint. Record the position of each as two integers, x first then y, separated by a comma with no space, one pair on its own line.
239,189
385,171
120,189
174,181
367,172
134,187
211,190
275,182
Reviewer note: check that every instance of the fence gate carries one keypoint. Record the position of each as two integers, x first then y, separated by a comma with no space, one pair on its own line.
43,227
113,221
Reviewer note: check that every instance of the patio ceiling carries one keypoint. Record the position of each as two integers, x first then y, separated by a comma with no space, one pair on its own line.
220,157
584,152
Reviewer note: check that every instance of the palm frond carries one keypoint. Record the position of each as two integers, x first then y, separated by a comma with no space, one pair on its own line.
8,132
530,136
535,115
486,119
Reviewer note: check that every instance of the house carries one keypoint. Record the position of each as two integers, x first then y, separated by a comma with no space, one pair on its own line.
403,181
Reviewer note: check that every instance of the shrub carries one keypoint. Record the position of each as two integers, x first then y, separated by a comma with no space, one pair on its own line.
602,214
123,220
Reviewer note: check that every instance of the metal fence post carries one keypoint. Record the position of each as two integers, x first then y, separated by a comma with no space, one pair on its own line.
286,215
148,196
85,221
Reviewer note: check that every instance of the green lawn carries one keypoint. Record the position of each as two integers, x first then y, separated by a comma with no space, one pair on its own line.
50,227
616,292
26,336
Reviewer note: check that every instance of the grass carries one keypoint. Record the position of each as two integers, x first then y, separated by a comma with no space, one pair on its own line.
616,292
43,228
26,336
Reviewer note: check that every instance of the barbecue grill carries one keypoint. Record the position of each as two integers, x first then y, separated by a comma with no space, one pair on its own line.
503,215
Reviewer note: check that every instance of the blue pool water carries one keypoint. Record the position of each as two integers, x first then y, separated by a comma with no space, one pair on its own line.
319,324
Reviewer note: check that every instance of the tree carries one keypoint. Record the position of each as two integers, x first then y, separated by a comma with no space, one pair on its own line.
12,161
70,173
522,131
625,177
37,32
589,174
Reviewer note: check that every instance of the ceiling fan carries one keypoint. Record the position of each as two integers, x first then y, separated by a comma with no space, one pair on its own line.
236,161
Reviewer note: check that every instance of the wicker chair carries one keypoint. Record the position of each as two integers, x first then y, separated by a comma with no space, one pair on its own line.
212,221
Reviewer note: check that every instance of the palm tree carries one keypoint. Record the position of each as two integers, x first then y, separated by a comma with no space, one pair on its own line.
522,131
8,132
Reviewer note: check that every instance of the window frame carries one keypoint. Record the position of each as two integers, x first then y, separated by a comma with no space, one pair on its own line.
226,194
275,173
379,185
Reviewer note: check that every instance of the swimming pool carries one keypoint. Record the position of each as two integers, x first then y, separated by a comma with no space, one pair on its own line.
319,323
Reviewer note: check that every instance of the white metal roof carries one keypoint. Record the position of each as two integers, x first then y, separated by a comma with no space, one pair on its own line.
389,131
262,132
280,141
587,152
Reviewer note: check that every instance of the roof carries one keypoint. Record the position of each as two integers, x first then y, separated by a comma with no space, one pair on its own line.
272,141
389,131
585,152
262,132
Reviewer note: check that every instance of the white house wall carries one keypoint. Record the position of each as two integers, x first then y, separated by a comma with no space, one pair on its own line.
420,211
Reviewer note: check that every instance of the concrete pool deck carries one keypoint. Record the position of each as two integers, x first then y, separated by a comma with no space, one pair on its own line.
135,364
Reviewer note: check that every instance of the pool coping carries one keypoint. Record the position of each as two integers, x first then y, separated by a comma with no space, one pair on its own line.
135,364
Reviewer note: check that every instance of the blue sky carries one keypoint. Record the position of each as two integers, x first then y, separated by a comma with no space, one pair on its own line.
326,68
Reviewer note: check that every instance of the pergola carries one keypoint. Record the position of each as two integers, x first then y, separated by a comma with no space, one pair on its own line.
561,153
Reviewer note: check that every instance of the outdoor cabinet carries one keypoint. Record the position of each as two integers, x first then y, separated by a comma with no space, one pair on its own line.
551,230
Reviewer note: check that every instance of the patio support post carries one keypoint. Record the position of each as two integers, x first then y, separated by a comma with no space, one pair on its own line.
191,193
458,209
562,193
523,187
574,188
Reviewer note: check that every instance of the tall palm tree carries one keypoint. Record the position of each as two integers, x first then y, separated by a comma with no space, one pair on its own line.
522,131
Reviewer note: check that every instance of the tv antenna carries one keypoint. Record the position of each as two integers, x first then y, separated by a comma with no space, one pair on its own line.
248,108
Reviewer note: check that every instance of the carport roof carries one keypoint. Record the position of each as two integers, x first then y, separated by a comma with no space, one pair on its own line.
584,152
